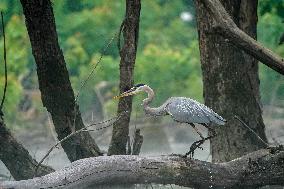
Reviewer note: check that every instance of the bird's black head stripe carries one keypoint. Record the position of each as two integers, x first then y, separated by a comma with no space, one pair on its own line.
139,85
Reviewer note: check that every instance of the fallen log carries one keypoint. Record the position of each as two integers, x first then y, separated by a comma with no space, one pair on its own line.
259,168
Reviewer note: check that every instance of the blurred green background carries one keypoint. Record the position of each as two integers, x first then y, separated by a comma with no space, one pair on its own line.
167,58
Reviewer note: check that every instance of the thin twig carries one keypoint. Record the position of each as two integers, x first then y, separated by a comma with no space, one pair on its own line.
97,129
4,176
119,35
244,124
86,80
96,65
50,127
128,146
72,134
137,144
5,62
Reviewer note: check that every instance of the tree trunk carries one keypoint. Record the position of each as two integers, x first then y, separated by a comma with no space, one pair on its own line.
16,158
56,92
130,29
231,82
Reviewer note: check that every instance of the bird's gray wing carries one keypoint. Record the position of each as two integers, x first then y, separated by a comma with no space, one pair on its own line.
213,116
186,110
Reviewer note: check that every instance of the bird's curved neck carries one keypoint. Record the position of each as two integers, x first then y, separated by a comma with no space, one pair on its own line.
159,111
150,97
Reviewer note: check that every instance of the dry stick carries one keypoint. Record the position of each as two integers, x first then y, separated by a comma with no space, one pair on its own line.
50,127
137,144
88,77
128,145
244,124
5,62
119,34
97,129
96,65
4,176
72,134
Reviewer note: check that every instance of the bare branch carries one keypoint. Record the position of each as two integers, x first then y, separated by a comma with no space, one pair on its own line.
5,62
251,130
87,79
96,65
227,28
263,167
137,144
119,36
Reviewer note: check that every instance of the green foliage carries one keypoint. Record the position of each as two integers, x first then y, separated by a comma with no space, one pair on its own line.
272,6
270,29
13,96
170,72
16,38
18,65
107,70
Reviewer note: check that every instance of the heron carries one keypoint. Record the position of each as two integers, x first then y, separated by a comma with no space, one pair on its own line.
182,110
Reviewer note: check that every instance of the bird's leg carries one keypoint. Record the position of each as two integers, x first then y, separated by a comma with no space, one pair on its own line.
213,132
197,130
196,144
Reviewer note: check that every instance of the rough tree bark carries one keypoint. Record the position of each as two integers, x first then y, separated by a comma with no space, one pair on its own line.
130,29
56,91
16,158
260,168
231,83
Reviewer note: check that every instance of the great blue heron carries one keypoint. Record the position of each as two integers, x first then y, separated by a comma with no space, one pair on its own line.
181,109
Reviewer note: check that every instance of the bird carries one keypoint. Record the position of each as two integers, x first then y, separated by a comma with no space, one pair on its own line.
182,110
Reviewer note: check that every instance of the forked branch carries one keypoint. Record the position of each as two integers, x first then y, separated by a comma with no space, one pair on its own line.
227,28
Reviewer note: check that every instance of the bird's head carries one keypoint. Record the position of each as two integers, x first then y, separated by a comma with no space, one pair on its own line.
133,91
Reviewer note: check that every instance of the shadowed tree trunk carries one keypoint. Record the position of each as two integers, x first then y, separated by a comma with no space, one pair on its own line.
231,82
16,158
130,29
56,91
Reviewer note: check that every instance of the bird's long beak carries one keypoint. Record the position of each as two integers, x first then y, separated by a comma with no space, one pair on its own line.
130,92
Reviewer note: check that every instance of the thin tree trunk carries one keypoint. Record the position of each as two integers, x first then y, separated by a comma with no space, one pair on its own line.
130,29
231,82
16,158
56,91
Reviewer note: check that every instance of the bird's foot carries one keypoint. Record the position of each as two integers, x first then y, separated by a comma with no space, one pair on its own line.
275,149
193,147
